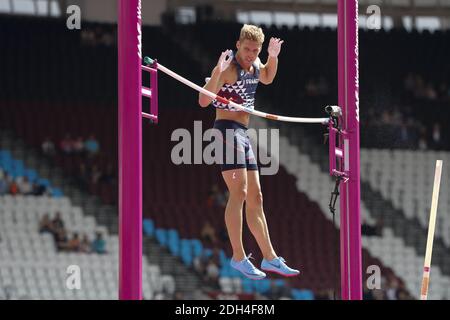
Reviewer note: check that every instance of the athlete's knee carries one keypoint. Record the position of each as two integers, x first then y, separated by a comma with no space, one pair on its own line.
255,200
239,194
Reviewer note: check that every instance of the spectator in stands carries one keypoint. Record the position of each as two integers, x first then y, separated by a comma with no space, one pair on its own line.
99,244
367,294
216,197
13,187
24,185
372,230
322,86
199,264
82,176
386,117
66,145
274,292
8,292
74,243
45,225
58,223
404,139
48,147
447,96
430,92
423,143
402,293
4,185
40,189
208,234
311,88
220,198
201,261
99,33
96,173
436,142
379,226
367,229
78,146
107,38
392,289
92,146
324,294
223,237
419,87
178,295
409,82
88,37
85,244
212,271
61,239
108,175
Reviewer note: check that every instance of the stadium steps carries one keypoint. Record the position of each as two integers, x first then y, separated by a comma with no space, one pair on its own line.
411,231
186,280
105,215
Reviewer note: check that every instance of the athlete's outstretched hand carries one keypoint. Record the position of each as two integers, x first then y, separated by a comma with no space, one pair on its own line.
224,60
274,47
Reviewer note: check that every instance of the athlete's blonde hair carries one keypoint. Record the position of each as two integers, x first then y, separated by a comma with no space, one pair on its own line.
251,32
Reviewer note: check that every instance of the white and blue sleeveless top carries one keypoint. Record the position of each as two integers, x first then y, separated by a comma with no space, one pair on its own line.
242,91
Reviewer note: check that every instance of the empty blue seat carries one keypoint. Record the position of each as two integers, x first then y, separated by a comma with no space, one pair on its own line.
18,164
262,285
57,193
299,294
186,257
197,247
225,271
223,259
149,227
161,236
44,182
5,155
173,241
31,175
279,282
207,253
172,234
7,166
247,285
173,245
185,245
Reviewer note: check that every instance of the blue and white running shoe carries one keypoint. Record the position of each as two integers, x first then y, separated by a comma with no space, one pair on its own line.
279,266
247,268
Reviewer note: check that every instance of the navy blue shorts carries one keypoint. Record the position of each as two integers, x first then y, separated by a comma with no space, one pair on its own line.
237,150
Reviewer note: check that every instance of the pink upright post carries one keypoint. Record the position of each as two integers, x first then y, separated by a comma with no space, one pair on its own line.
130,149
348,79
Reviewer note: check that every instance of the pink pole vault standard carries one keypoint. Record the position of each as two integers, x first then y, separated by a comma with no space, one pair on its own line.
130,150
348,81
130,117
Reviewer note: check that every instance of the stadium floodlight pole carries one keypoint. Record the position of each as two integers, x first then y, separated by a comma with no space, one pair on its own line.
350,194
130,149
